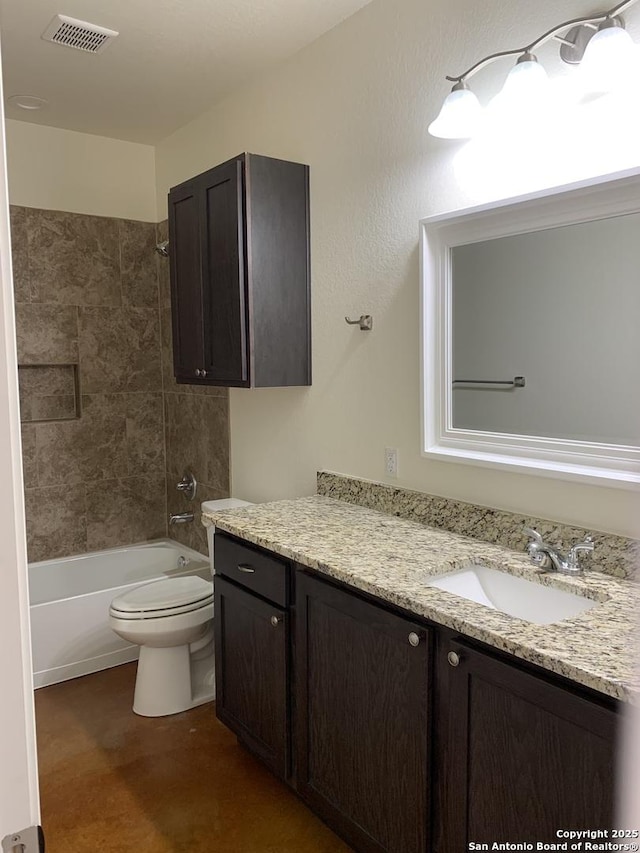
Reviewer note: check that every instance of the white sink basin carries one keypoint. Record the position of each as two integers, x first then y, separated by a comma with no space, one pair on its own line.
515,596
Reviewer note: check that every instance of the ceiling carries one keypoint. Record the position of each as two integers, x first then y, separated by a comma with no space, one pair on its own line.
172,60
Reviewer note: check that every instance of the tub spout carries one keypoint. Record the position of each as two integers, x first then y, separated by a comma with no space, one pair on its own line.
180,518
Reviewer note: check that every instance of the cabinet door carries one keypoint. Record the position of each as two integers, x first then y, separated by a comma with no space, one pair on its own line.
252,672
362,718
519,757
279,286
186,281
224,290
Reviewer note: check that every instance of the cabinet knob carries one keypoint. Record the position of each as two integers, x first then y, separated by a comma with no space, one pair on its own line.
203,373
197,371
414,639
453,658
276,620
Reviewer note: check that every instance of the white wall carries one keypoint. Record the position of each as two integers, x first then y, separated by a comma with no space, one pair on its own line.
58,169
355,105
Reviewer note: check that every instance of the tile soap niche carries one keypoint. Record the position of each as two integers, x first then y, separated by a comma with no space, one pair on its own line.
49,392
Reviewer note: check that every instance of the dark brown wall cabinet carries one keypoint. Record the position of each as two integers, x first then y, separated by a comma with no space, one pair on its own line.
239,257
519,757
252,650
362,676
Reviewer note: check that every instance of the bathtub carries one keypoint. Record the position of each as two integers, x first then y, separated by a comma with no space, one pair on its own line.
70,598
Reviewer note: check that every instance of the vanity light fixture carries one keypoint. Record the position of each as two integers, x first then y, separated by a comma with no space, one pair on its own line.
599,43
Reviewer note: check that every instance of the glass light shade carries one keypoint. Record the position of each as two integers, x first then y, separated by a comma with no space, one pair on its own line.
527,82
523,100
459,117
609,60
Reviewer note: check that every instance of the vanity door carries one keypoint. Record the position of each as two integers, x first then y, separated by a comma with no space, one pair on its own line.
362,689
519,757
252,672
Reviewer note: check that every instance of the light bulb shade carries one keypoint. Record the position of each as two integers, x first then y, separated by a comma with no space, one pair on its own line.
459,116
525,99
526,83
609,60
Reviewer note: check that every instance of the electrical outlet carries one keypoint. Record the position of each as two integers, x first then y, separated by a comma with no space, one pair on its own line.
391,461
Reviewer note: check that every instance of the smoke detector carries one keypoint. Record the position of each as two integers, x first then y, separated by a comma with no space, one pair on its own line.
81,35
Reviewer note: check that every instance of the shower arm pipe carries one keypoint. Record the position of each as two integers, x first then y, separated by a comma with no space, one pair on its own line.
550,34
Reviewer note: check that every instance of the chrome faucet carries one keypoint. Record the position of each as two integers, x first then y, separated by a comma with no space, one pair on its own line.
180,517
548,558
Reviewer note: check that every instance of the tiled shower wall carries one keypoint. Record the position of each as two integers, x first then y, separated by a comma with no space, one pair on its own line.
86,291
91,291
196,428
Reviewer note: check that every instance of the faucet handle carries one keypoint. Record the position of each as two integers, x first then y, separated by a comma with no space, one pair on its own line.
537,538
536,549
587,545
188,485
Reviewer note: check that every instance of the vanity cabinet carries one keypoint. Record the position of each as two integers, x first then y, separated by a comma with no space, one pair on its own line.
518,756
252,650
362,700
239,261
407,737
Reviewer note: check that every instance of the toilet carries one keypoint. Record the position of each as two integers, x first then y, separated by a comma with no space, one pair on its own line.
172,622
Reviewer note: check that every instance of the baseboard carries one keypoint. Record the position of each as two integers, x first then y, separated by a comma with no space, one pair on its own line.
46,677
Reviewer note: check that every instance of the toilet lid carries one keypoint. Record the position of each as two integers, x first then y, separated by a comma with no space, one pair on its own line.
164,595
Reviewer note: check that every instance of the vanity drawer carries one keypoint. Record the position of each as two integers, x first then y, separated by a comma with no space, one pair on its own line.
265,574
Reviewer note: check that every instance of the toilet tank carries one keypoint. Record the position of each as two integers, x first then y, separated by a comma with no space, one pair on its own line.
218,506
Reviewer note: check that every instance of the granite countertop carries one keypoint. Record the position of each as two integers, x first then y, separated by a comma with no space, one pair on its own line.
392,558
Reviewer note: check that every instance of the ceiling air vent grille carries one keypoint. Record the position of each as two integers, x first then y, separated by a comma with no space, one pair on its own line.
79,34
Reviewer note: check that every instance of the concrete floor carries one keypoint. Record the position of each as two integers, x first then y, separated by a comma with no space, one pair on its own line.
112,782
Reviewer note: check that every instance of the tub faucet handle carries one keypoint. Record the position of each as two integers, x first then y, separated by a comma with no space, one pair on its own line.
188,485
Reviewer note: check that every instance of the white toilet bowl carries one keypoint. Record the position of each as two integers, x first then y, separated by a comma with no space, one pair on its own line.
172,622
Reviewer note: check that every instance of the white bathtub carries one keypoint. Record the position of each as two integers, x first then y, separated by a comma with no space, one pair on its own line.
70,600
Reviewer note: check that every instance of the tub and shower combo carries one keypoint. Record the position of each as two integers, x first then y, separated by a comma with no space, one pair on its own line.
70,598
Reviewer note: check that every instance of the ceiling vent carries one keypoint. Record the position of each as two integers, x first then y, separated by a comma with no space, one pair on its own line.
79,34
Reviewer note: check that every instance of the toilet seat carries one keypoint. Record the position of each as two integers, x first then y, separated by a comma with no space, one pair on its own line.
160,599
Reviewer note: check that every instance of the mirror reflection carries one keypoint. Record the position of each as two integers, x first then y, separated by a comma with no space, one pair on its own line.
561,308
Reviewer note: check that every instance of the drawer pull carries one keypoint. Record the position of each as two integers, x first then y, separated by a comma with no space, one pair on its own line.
242,567
414,639
276,620
453,658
